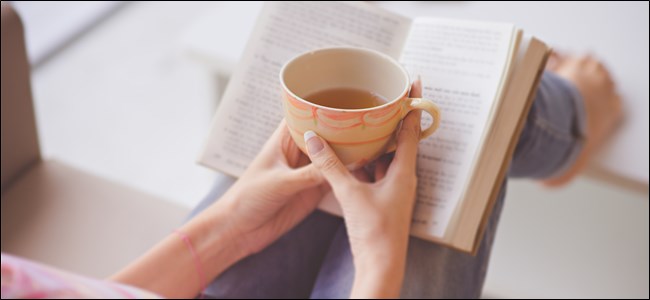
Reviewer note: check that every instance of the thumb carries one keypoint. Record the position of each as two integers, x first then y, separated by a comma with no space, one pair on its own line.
305,177
323,157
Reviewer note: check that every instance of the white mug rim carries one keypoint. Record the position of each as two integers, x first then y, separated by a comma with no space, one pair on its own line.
404,92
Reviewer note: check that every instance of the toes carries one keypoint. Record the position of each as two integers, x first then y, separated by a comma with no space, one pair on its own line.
555,60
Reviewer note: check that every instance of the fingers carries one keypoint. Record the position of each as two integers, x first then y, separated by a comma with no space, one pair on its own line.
277,143
304,177
325,160
407,145
362,175
555,60
416,88
281,147
382,166
303,160
292,154
280,132
407,139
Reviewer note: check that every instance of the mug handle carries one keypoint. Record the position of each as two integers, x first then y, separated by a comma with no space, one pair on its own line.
427,106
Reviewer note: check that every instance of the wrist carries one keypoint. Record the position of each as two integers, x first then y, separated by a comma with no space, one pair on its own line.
379,274
195,253
214,239
378,281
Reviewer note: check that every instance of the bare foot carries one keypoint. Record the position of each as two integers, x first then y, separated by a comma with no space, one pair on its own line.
602,105
554,61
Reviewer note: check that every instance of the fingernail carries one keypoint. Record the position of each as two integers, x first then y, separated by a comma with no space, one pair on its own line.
419,78
314,144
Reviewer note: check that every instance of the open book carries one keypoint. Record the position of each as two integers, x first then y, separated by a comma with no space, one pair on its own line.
481,75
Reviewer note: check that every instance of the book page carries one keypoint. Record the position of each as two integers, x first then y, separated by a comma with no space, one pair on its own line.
461,65
251,108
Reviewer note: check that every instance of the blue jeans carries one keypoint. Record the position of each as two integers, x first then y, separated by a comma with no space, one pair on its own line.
314,258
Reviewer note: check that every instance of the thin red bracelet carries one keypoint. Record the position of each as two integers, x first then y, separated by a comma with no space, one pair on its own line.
197,261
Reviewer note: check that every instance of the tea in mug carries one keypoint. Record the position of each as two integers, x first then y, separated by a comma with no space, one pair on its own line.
346,98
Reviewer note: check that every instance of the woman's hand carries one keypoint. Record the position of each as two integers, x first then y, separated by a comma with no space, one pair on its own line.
377,215
277,191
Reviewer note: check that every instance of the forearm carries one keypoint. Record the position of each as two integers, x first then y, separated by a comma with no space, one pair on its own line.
169,268
379,271
378,280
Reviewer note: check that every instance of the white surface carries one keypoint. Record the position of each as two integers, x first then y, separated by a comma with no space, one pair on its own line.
123,102
52,24
589,240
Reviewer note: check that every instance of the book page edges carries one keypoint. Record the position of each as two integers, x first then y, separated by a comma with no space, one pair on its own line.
496,188
516,39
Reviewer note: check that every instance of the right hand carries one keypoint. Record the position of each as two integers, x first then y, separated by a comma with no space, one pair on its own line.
378,214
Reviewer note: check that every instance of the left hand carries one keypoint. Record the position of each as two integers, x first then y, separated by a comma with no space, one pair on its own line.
277,191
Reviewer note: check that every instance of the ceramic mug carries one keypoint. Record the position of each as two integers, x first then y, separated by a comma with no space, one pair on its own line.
358,136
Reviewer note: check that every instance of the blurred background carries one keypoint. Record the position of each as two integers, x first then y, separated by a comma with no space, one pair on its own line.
127,91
